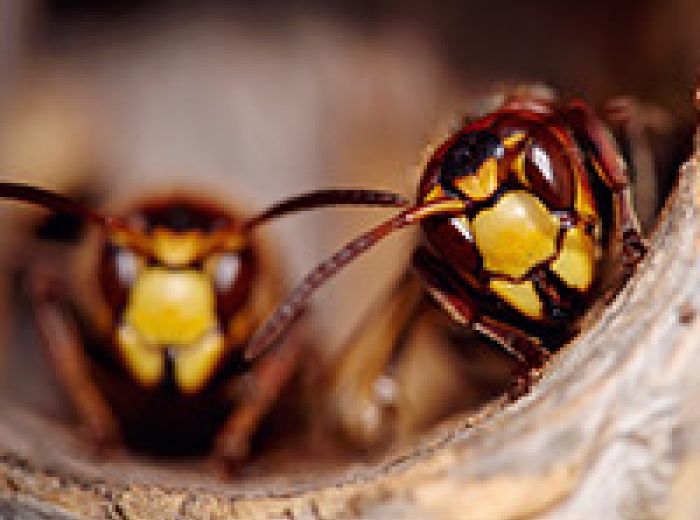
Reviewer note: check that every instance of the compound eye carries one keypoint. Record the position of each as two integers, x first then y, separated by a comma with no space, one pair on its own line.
224,270
549,171
127,266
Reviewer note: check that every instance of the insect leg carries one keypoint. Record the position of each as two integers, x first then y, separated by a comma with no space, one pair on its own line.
359,389
256,392
634,246
61,339
527,351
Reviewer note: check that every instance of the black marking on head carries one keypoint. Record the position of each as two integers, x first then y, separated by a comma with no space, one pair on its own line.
168,382
181,215
466,155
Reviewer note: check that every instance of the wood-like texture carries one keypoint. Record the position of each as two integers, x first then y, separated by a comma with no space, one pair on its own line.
612,431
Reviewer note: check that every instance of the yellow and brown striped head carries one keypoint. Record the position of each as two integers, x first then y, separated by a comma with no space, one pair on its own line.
176,275
178,292
537,214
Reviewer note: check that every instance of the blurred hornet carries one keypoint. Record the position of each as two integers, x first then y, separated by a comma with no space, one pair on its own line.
527,221
147,322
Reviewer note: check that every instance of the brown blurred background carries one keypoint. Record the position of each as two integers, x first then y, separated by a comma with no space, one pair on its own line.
254,100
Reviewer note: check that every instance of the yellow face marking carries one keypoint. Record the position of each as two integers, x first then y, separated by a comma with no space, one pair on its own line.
575,262
145,364
177,249
481,184
435,193
171,308
521,295
584,203
518,166
438,208
194,366
516,234
512,140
